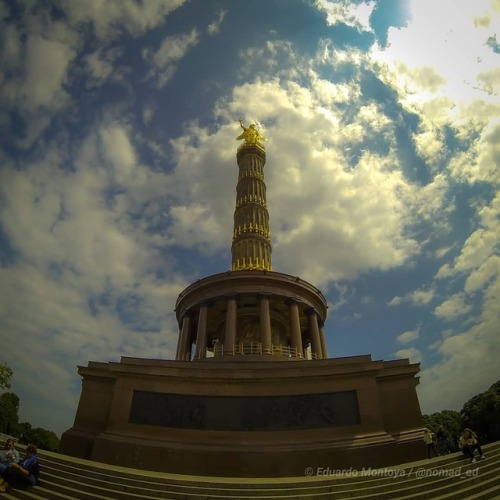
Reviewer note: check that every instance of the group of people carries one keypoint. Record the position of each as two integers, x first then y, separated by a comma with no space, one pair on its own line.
437,443
467,443
13,470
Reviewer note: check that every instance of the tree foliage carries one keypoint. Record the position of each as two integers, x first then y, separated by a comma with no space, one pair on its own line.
482,413
5,377
41,438
9,413
450,420
9,418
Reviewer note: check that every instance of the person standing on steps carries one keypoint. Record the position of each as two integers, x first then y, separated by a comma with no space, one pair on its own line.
442,442
429,442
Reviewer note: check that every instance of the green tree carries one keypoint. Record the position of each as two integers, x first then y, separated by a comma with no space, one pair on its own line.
24,429
9,413
450,420
41,438
5,377
9,418
482,414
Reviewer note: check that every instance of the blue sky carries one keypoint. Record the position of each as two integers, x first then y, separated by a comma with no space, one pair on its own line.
118,172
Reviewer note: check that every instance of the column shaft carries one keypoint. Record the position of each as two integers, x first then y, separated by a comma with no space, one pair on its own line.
230,334
314,332
324,352
296,334
265,325
201,334
184,338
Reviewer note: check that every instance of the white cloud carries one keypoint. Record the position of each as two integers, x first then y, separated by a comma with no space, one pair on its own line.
429,145
63,222
487,271
479,247
273,59
214,27
99,67
59,332
395,301
89,239
372,115
102,66
118,152
33,84
424,77
449,49
412,353
313,195
85,278
147,114
476,249
39,52
329,93
12,46
441,252
47,64
110,18
444,71
417,298
453,307
200,216
490,81
170,52
348,13
477,346
408,336
480,162
468,364
421,297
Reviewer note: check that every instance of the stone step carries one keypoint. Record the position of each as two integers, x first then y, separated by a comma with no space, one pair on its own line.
370,483
430,487
489,489
22,494
70,478
492,493
38,492
332,492
132,476
416,488
84,491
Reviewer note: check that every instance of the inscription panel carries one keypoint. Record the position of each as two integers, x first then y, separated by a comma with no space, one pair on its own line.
245,413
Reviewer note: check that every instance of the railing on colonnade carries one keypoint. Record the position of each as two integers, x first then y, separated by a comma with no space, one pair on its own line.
251,348
308,354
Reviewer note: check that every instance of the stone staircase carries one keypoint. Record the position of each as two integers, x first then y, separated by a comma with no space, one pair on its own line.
448,477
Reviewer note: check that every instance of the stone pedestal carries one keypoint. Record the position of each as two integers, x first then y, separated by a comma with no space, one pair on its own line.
253,417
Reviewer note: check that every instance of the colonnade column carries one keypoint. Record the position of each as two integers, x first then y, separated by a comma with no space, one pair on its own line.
323,342
231,318
314,332
265,323
296,334
184,338
201,333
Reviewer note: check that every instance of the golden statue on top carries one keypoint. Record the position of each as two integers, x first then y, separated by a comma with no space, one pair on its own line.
251,135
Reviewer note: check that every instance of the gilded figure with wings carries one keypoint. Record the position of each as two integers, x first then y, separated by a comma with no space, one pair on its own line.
250,134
